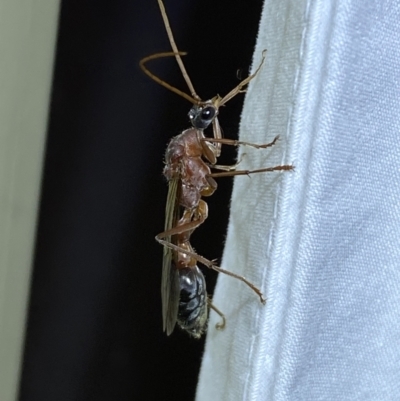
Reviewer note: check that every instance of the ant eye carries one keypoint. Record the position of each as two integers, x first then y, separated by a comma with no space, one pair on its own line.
202,118
208,113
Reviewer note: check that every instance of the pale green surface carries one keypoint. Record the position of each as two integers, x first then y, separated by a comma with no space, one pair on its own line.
27,39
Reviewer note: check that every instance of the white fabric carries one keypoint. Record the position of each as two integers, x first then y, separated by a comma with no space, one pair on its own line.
323,241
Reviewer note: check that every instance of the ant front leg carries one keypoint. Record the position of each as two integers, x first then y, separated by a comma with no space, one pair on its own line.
211,146
230,171
233,142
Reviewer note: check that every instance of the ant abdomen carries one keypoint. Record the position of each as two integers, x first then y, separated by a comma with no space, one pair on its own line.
193,310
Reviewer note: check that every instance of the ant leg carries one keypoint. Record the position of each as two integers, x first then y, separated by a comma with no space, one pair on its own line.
180,229
212,149
285,167
241,278
164,239
210,265
218,326
230,171
190,220
233,142
212,146
227,168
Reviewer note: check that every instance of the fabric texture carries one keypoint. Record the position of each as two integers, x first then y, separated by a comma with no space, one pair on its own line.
322,242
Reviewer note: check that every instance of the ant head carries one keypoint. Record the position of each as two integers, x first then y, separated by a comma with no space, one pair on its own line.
202,115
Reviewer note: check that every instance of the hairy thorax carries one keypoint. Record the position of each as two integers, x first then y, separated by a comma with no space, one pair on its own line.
184,160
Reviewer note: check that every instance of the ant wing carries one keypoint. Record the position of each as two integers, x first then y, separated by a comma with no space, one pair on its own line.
170,288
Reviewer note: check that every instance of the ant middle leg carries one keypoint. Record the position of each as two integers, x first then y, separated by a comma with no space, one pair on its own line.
285,167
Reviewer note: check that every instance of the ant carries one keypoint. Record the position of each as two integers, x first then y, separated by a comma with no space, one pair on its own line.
189,159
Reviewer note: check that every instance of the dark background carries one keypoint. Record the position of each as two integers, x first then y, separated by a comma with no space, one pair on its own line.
94,328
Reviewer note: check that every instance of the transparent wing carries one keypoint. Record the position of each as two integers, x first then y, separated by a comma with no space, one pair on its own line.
170,279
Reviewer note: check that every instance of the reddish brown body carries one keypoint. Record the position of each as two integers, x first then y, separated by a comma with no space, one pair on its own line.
183,288
184,160
188,162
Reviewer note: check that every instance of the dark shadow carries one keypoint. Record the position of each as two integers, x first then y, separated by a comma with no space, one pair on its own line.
94,329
